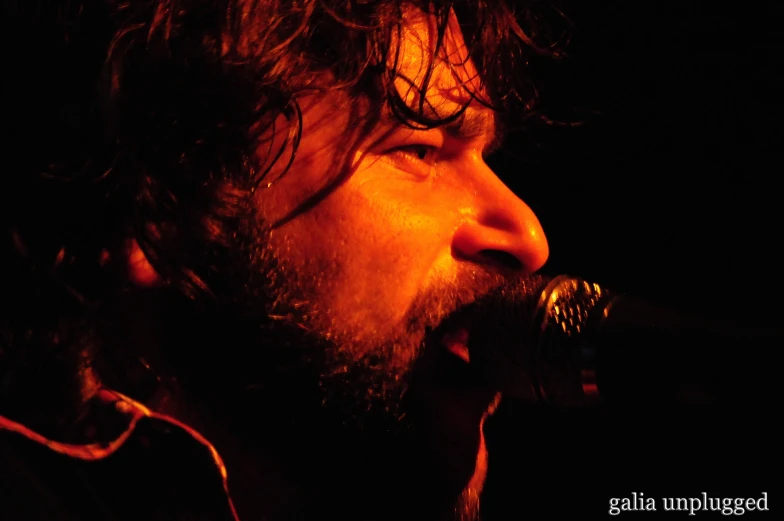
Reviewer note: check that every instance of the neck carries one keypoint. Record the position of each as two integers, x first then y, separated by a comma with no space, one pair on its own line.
53,404
173,358
284,468
256,465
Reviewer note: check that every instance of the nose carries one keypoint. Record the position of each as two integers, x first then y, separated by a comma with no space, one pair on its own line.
501,229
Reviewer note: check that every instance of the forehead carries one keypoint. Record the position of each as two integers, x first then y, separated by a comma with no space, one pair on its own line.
440,72
436,76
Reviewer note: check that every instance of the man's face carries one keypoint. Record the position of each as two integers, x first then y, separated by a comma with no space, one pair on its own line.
419,228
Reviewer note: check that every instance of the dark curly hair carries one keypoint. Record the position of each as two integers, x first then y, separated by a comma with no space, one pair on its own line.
145,120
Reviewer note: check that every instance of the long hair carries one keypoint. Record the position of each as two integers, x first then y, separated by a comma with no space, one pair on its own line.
145,120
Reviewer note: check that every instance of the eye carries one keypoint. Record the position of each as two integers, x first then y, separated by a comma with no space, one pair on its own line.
421,152
418,159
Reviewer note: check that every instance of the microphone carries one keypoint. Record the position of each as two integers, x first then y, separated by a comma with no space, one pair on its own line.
567,342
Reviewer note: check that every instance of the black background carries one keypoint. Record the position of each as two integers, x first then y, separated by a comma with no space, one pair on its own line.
668,191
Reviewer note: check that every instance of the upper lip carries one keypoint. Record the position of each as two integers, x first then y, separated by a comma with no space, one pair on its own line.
458,319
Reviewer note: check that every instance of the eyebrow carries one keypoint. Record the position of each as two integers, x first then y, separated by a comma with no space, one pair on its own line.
474,124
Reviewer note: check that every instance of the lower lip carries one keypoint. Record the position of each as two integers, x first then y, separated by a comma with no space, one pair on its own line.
457,344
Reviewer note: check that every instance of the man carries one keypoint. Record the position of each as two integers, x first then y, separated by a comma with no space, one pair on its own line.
294,210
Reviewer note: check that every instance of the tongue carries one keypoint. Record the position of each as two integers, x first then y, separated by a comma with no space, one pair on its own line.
457,343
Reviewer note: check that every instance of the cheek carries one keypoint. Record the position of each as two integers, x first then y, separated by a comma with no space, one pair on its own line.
367,253
391,247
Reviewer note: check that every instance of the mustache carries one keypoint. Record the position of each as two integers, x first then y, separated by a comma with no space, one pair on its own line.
445,300
387,361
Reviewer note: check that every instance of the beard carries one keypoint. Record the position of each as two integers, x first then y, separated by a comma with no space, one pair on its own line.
361,377
283,370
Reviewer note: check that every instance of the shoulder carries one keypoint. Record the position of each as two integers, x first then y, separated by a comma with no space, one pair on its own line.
134,464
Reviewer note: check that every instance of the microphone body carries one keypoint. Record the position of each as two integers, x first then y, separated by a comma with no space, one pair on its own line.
565,341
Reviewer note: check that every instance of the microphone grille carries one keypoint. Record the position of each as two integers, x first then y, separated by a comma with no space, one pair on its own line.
503,329
527,335
511,304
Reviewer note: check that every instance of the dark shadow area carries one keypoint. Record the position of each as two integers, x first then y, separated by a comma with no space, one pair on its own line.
668,191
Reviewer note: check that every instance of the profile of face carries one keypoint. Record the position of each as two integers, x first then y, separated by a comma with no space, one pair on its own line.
362,282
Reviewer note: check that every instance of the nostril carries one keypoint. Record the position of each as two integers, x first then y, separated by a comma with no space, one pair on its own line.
502,258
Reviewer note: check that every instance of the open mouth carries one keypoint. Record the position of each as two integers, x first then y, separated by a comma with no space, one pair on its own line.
456,342
453,333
